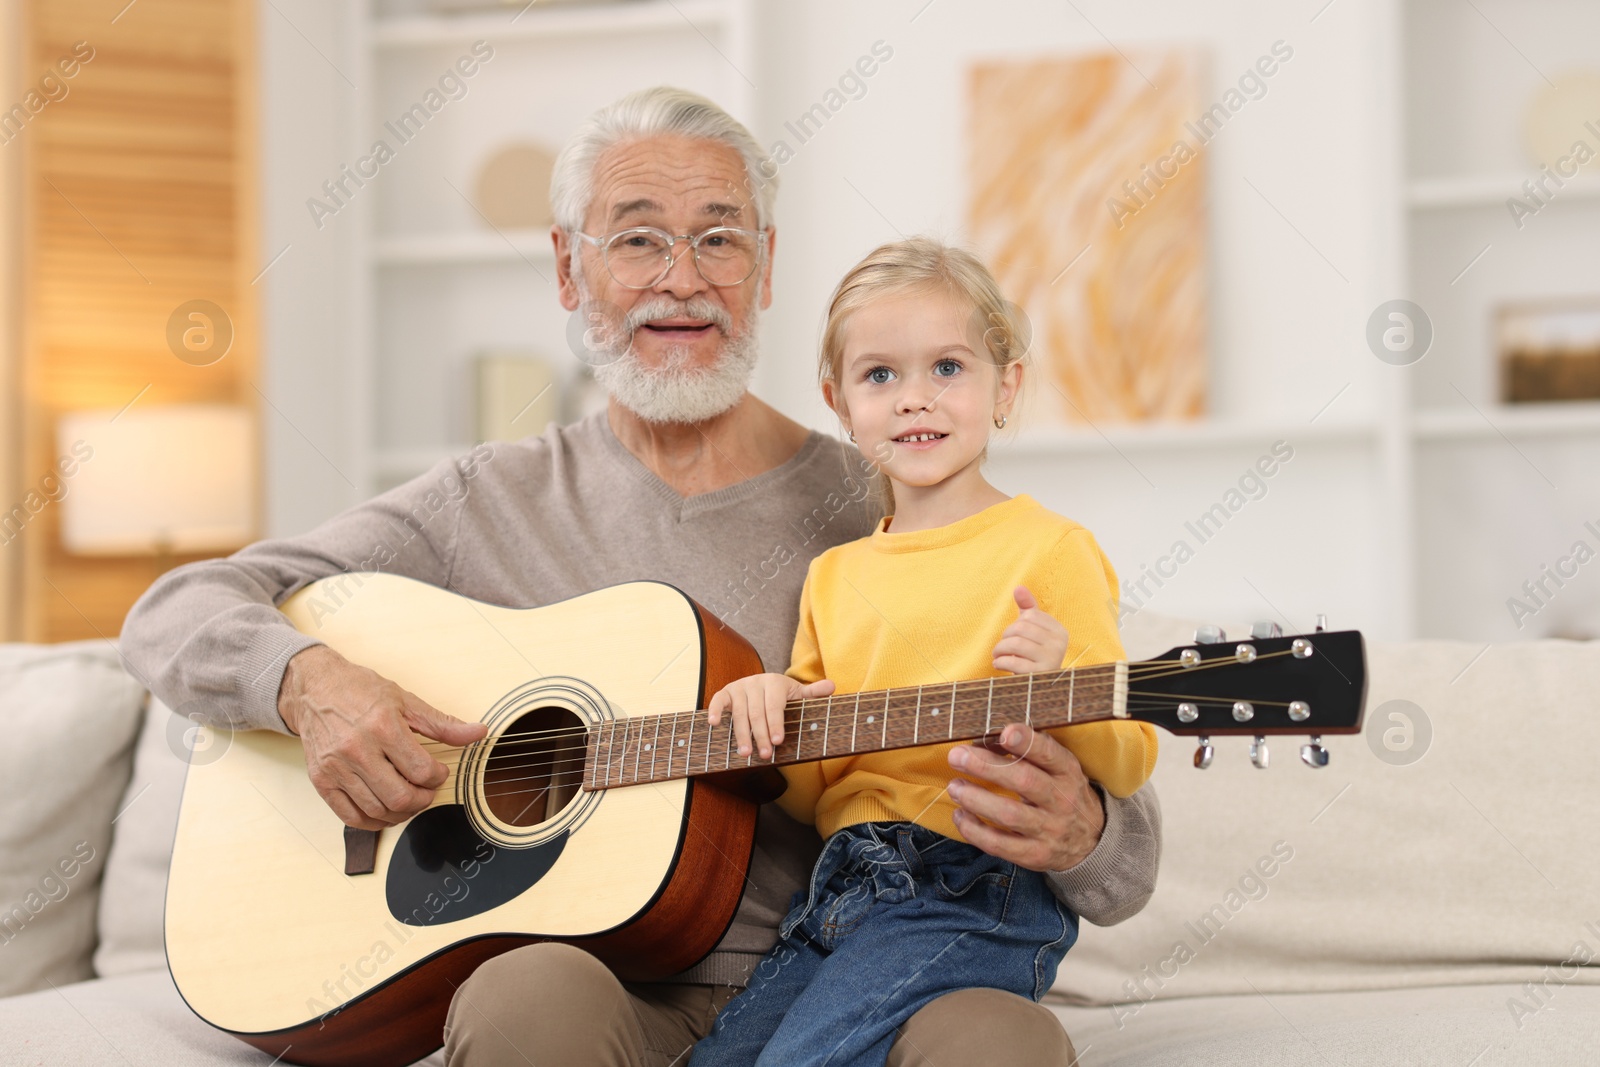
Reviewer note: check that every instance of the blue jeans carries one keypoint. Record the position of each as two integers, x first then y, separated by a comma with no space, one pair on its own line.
896,916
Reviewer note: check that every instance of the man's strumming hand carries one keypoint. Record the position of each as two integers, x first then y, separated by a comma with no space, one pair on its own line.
360,732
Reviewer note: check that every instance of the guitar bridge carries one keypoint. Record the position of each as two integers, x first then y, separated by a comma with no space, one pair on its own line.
360,850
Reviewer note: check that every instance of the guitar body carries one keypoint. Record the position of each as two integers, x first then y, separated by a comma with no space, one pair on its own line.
269,938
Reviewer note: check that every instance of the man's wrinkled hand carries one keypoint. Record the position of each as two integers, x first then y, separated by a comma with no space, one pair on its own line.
359,731
1056,818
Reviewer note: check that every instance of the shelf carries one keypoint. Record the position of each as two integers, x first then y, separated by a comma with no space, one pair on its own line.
487,246
1201,434
1572,418
548,23
1490,421
1490,190
408,462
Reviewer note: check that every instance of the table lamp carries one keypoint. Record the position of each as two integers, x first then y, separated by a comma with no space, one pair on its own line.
161,480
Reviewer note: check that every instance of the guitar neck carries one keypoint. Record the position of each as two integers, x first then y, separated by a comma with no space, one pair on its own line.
655,748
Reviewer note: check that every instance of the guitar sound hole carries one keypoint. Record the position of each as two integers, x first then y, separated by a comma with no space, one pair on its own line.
536,767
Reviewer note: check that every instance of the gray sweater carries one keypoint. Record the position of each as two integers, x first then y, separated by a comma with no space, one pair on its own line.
543,519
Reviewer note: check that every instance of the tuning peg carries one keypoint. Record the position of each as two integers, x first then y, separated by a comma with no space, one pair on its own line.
1313,754
1258,752
1210,634
1322,622
1203,754
1265,628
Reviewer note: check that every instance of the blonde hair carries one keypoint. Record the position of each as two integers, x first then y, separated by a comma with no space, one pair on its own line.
917,265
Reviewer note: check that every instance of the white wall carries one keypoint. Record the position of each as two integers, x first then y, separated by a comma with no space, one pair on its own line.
311,296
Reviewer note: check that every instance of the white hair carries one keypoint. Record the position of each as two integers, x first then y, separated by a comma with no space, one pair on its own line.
675,391
655,112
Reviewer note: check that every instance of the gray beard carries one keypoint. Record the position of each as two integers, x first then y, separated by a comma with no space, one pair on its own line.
675,391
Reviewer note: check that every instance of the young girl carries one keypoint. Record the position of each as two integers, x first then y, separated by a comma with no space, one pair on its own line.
919,361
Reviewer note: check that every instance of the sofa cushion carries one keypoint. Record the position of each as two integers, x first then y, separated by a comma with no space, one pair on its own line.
1454,1026
69,713
130,1019
133,890
1474,863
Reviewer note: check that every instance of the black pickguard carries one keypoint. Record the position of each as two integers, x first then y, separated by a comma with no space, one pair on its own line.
444,871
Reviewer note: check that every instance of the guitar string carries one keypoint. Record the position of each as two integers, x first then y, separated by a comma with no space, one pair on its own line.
699,750
1155,670
973,702
563,764
1143,702
700,717
821,701
1105,675
575,777
581,756
576,765
1139,700
566,761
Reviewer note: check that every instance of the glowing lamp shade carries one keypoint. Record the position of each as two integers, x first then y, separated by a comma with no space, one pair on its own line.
177,479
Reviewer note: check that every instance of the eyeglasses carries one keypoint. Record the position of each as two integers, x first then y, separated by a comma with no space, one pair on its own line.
641,256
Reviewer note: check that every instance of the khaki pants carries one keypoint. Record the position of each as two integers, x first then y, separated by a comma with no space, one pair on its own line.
553,1005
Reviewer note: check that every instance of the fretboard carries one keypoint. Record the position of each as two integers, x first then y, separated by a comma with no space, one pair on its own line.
655,748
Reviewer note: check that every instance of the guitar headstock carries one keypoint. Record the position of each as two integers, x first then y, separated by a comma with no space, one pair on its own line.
1310,684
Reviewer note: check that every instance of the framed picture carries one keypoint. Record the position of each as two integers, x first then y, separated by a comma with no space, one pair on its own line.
1087,198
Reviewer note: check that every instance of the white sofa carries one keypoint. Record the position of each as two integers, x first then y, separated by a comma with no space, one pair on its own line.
1375,912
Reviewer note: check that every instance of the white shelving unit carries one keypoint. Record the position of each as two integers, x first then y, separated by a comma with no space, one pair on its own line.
438,284
1489,190
547,24
1500,489
1516,421
1181,437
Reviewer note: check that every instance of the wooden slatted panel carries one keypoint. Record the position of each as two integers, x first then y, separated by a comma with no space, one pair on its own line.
11,51
141,198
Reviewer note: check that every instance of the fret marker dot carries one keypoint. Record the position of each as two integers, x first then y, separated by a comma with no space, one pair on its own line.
870,718
680,744
936,711
813,726
647,748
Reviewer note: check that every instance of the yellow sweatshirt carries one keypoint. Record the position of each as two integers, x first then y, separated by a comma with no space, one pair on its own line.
925,607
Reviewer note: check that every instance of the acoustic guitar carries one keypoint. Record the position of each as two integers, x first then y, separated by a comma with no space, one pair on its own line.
601,810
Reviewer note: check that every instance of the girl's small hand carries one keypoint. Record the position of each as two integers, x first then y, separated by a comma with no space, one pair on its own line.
755,707
1035,642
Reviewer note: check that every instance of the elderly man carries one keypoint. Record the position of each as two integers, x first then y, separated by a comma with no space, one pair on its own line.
685,478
